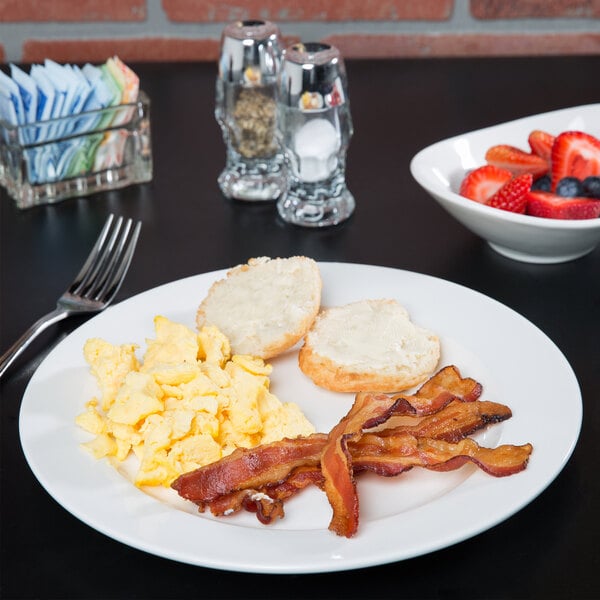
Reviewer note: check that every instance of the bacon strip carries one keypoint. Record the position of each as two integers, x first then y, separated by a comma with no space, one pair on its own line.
267,501
454,422
394,454
249,468
369,411
446,385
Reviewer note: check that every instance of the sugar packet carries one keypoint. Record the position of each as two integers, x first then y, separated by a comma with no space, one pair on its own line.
27,89
12,111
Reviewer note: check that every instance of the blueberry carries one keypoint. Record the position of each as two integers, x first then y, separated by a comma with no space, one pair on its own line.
569,187
542,184
591,187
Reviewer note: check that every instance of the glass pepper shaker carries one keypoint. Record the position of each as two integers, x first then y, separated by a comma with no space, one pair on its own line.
315,127
246,109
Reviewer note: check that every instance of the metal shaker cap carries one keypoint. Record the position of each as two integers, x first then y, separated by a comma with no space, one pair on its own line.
313,77
250,51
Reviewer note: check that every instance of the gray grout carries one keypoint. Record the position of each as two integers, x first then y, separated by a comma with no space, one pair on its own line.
157,24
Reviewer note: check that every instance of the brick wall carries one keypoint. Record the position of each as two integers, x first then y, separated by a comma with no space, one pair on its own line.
189,30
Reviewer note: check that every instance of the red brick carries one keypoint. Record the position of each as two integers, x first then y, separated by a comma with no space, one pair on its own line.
453,45
132,50
72,10
1,53
308,10
519,9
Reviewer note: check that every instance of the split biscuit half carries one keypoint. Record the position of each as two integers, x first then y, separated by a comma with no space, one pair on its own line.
369,345
265,306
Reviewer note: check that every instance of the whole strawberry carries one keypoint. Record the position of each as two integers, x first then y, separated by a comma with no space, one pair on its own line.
512,196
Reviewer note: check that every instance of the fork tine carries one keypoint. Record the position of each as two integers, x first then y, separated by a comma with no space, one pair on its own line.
108,260
90,261
98,271
120,264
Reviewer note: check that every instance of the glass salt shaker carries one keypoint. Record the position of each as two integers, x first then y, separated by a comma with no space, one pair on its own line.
315,127
246,109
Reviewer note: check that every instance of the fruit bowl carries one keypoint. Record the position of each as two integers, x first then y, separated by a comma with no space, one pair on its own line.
440,168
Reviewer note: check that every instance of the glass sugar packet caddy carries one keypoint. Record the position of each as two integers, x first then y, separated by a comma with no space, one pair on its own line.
77,155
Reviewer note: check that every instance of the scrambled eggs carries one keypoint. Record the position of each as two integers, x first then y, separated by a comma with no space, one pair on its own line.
188,403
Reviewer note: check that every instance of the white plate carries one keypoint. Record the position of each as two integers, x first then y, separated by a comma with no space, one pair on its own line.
401,517
440,168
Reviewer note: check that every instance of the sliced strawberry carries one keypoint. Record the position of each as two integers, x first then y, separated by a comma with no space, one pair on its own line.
541,143
551,206
575,154
516,160
512,196
482,183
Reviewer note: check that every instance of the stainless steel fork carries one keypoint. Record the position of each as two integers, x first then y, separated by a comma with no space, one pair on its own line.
94,287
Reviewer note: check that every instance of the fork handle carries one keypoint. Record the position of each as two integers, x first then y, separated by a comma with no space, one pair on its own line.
19,346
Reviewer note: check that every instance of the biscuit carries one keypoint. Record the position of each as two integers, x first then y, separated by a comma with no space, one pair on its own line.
369,345
266,306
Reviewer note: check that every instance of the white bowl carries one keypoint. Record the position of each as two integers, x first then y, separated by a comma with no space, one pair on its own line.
440,168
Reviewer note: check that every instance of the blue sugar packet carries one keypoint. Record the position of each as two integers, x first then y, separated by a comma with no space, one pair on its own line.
47,159
46,98
90,101
61,79
74,89
68,88
11,106
59,76
9,89
45,93
80,91
105,90
66,152
79,99
29,97
101,93
60,93
8,112
41,162
84,87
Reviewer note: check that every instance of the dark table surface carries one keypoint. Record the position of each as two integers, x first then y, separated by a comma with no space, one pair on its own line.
550,549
